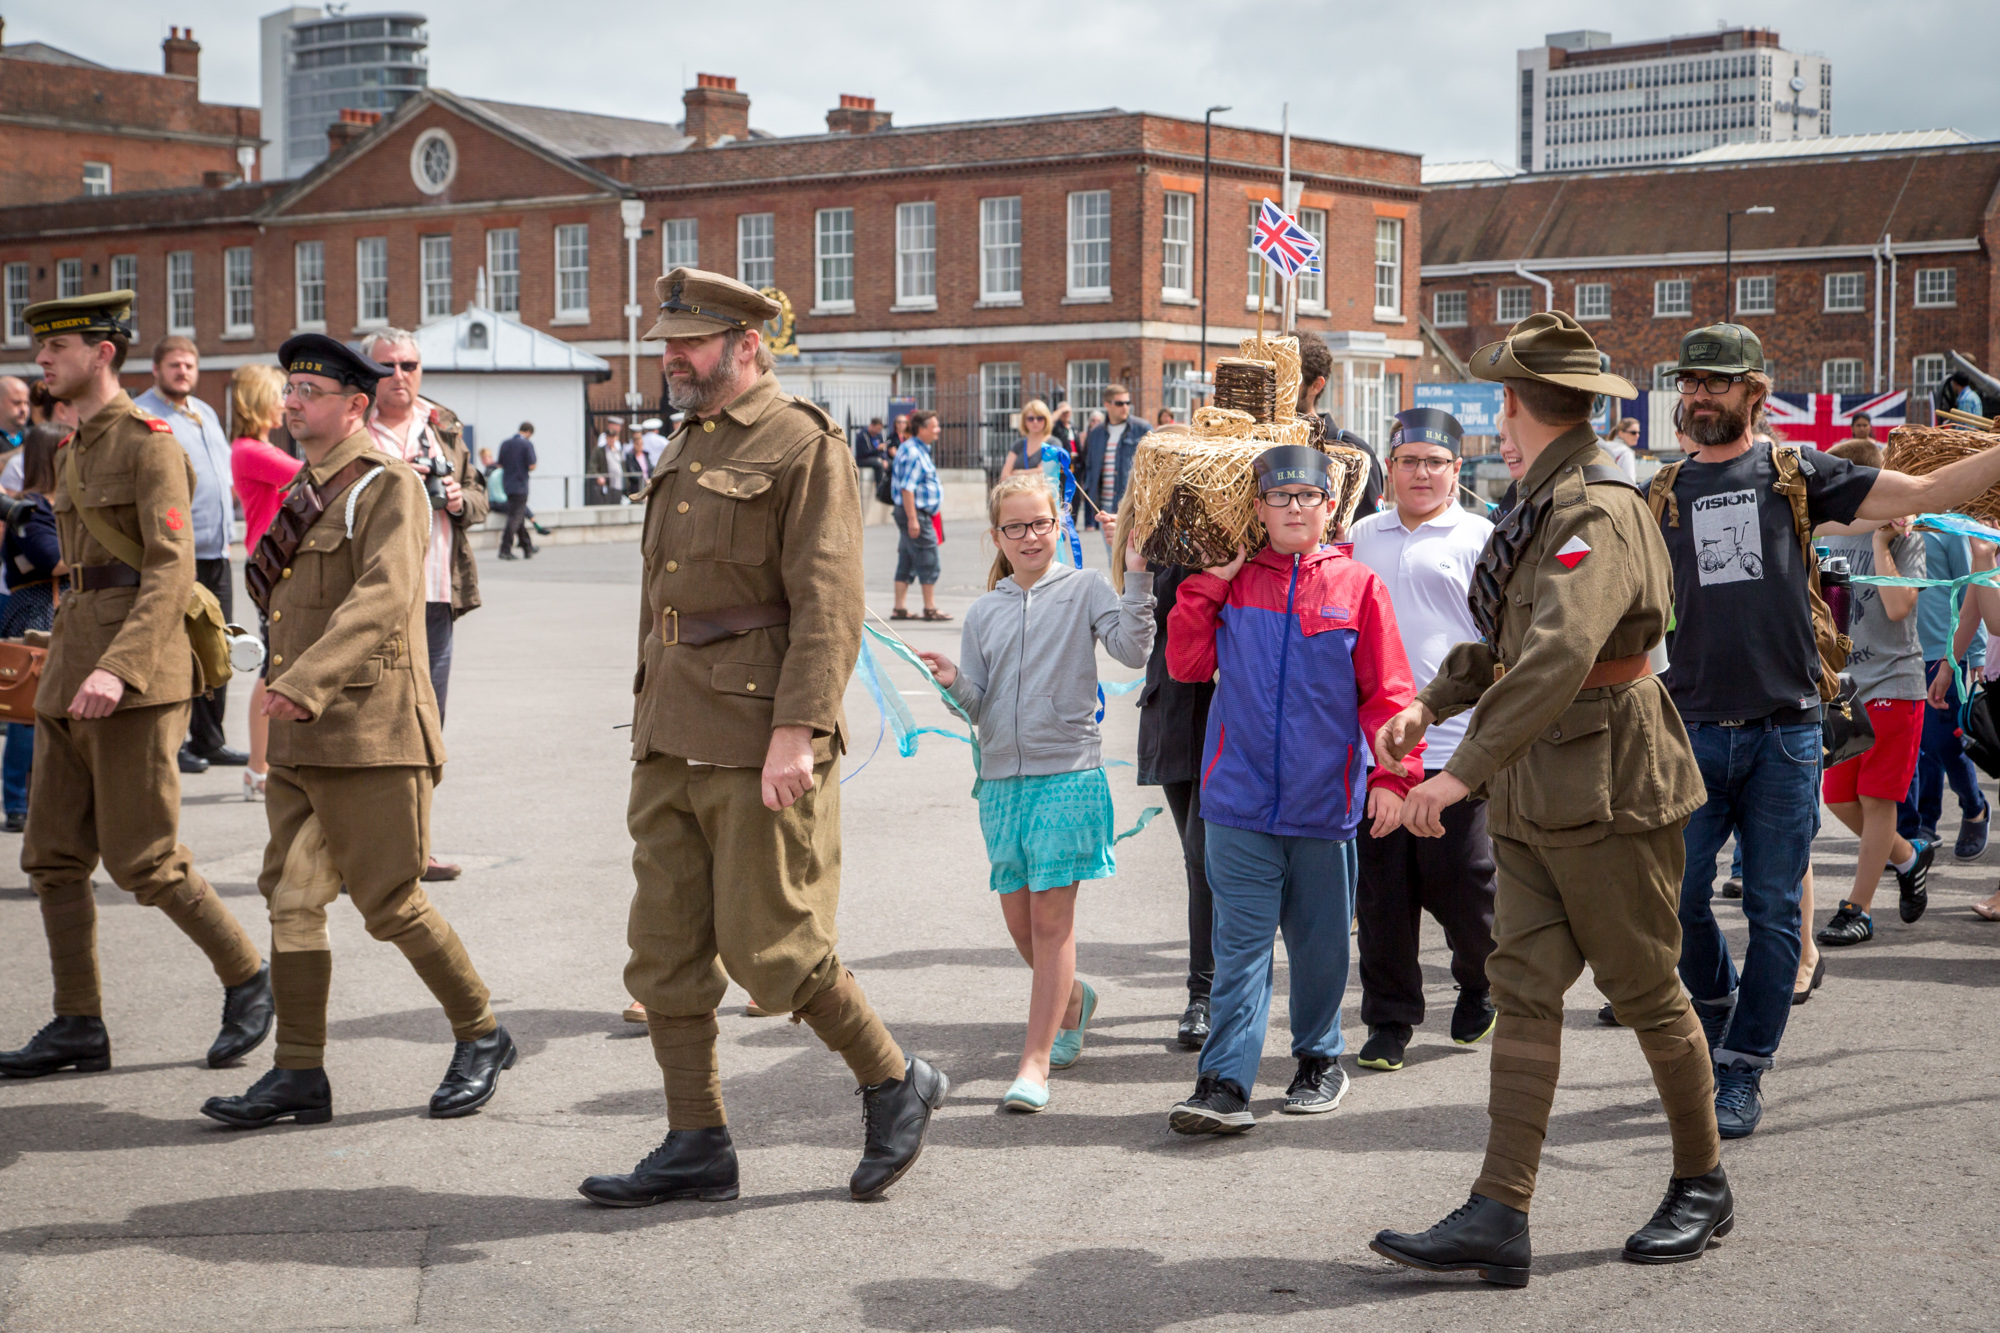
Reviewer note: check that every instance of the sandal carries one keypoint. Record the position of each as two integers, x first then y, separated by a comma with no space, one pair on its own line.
900,614
1985,913
934,614
253,784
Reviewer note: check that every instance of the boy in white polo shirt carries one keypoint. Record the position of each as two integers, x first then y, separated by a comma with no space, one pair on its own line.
1425,550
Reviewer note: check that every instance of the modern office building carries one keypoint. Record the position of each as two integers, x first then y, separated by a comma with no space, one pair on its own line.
318,63
1583,101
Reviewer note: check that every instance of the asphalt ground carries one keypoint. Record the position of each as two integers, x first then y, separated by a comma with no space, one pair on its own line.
1865,1201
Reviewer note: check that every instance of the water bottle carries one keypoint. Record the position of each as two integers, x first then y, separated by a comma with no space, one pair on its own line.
1834,585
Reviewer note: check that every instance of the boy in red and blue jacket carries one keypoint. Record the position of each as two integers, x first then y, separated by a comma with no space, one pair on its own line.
1302,642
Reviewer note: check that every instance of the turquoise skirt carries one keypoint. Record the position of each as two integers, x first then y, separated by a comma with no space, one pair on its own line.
1047,830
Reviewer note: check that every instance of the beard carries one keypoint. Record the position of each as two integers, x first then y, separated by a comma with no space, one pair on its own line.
1726,426
698,393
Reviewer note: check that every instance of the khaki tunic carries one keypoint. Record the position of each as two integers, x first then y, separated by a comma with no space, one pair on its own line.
134,474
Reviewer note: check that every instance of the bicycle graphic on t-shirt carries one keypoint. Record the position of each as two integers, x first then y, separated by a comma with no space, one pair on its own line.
1716,557
1728,537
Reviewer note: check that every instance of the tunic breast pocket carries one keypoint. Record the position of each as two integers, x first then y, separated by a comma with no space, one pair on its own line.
319,567
734,524
1565,781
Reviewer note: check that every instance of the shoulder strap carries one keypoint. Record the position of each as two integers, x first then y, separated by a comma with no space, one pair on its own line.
122,548
1660,495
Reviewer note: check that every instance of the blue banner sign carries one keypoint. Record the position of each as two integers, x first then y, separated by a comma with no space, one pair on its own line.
1477,406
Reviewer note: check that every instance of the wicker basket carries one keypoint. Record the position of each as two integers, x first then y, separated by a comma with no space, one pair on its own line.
1244,385
1919,450
1194,499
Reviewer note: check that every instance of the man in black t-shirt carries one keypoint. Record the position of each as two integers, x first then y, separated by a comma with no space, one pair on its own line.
1744,674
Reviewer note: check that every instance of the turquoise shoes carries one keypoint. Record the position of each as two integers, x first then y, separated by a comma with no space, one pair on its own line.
1069,1042
1025,1096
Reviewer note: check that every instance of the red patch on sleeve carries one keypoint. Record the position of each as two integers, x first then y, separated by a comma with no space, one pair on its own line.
158,426
174,520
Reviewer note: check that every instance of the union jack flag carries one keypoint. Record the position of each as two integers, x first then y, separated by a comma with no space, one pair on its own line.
1285,245
1825,419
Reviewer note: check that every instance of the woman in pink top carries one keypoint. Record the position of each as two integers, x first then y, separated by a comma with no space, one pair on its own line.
261,472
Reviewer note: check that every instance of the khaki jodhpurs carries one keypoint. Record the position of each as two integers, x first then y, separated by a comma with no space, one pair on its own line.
1614,905
110,788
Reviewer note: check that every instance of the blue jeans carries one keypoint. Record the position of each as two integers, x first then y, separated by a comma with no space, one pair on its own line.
1264,886
1763,784
15,764
1941,759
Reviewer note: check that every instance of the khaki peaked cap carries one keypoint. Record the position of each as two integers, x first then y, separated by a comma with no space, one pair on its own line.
1554,348
97,312
695,303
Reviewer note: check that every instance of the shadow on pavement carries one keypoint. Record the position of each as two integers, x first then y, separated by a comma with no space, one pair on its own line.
91,1127
532,1029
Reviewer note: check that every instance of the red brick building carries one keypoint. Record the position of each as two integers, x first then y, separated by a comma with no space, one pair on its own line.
1873,265
70,127
980,263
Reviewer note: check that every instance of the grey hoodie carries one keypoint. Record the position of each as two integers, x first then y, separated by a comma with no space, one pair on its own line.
1028,668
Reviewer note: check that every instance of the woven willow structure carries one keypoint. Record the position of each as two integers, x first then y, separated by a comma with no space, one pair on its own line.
1919,450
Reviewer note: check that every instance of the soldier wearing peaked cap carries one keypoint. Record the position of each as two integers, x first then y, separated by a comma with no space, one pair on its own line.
113,703
1589,778
355,742
750,622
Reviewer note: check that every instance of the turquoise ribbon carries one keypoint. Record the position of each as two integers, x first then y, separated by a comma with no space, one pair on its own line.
1958,525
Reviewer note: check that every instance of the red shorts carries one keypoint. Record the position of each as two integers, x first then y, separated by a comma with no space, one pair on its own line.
1884,770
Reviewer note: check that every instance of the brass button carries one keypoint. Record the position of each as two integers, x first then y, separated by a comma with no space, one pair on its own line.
287,574
707,427
276,616
751,686
277,660
673,566
682,507
694,467
1556,735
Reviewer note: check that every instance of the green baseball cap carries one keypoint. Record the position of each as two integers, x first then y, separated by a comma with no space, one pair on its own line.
1726,349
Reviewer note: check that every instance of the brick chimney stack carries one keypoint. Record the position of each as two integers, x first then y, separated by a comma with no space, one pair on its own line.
715,110
856,115
183,53
350,126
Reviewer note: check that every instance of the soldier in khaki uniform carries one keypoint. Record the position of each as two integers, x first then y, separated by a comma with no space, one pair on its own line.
113,703
355,742
749,624
1590,778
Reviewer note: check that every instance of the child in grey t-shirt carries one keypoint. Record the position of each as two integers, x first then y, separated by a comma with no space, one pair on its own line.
1887,661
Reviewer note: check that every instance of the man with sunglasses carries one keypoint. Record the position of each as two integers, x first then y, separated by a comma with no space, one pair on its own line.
1745,676
1107,458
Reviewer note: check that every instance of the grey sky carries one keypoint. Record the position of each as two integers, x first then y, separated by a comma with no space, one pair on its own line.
1429,77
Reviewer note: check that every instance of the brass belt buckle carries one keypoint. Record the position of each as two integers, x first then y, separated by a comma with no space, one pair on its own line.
1499,670
666,614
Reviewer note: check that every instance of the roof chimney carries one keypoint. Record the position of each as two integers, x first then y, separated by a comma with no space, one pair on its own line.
856,115
715,111
349,126
183,53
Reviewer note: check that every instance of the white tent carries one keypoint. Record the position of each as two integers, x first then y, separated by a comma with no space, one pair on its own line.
497,373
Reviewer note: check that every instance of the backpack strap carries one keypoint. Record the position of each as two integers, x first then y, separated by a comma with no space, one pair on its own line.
1660,494
1792,485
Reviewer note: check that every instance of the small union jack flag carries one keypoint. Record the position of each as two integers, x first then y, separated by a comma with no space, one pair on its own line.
1285,245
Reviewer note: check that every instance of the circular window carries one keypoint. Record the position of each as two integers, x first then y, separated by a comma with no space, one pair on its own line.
433,161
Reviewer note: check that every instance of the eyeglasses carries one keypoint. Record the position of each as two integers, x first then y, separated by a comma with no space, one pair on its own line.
407,367
1121,402
1286,499
307,393
1041,527
1633,431
1032,417
1412,466
1709,384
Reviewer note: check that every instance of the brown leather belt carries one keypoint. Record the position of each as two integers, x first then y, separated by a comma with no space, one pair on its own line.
96,578
694,630
1617,671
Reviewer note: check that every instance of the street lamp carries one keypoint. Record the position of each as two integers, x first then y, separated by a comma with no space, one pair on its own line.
1729,252
1207,129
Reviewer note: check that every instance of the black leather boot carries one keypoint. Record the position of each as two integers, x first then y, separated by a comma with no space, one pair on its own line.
301,1095
1482,1235
473,1075
691,1164
246,1019
1694,1209
1193,1032
65,1041
895,1113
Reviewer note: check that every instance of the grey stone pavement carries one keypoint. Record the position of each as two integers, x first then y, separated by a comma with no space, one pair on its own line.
1866,1200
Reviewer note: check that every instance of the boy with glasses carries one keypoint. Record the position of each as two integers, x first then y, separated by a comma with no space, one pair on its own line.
1424,551
1302,644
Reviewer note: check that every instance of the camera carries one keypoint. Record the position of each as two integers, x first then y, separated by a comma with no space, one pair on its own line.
435,468
15,509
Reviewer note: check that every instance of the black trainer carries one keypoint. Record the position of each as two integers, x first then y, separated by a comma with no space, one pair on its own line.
1694,1209
67,1041
895,1113
1194,1024
1732,887
473,1075
1911,895
246,1019
1849,925
301,1095
1218,1106
1608,1015
1482,1235
1473,1016
690,1164
1385,1046
1316,1088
